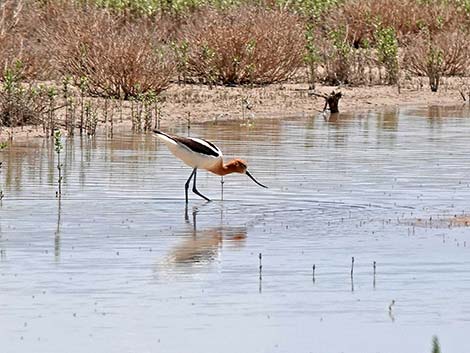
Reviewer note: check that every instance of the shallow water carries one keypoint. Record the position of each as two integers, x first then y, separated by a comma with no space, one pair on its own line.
119,264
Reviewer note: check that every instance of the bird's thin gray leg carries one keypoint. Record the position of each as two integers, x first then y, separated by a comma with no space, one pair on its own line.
195,190
186,186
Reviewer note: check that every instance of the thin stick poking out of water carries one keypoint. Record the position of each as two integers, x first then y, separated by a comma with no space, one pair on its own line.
260,264
260,273
222,187
375,265
352,267
313,273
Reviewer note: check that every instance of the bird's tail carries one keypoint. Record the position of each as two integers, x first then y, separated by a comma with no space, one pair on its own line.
164,137
158,132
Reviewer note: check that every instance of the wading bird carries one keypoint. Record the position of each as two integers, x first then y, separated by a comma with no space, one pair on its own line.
202,154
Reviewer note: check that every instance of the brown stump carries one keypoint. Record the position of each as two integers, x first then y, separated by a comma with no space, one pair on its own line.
331,101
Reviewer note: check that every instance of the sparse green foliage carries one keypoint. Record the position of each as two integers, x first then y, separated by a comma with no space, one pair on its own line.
66,80
20,104
336,57
51,94
179,7
12,77
312,56
57,141
387,52
311,8
181,55
91,118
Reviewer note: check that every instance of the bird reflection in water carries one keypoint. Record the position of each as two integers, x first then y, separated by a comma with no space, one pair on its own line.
204,245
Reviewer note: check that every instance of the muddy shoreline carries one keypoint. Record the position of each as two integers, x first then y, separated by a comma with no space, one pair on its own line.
201,104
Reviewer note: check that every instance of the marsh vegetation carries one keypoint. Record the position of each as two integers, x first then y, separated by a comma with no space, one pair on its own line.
135,50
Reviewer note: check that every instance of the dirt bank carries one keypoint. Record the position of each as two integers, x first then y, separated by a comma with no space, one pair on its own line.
202,104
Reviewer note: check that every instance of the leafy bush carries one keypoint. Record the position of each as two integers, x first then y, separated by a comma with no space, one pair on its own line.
244,45
387,52
336,57
19,104
312,55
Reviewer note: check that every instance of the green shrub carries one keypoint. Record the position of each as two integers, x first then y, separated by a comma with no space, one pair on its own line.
387,52
20,104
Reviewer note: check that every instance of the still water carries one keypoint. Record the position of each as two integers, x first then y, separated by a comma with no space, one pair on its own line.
121,265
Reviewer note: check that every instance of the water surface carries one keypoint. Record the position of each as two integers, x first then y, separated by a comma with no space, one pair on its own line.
121,265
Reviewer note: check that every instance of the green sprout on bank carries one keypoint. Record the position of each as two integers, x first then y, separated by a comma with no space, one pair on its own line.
58,147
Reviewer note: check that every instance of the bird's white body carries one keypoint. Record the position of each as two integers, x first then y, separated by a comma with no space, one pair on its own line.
201,154
190,157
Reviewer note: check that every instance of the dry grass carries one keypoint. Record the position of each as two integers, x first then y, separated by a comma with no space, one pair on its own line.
441,221
362,17
244,45
118,57
124,54
437,55
18,41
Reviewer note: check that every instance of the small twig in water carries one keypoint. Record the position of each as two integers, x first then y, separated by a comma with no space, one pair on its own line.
260,263
222,187
374,273
352,267
260,273
1,191
188,119
58,147
391,306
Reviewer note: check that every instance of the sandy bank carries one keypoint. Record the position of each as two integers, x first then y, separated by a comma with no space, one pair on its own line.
202,104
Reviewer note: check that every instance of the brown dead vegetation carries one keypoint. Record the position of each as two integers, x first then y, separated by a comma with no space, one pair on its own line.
437,55
442,221
245,45
362,17
18,41
121,54
118,57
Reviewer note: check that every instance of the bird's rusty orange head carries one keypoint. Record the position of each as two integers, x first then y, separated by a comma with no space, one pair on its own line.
236,166
239,166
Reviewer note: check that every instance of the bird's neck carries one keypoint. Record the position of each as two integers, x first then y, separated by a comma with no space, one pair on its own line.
222,169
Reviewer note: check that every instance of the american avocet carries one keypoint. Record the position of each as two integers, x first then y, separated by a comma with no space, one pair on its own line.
199,153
